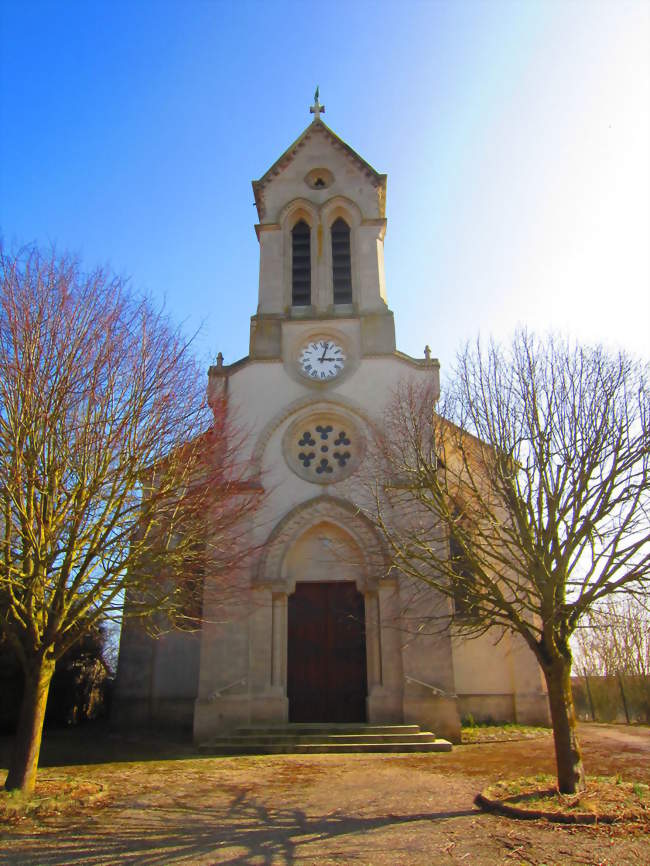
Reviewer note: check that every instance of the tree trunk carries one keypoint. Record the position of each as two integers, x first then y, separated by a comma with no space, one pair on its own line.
570,772
27,745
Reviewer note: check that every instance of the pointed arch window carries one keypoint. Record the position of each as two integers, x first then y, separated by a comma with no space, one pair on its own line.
341,262
301,264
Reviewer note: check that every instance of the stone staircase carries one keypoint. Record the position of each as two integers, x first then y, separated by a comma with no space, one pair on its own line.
321,738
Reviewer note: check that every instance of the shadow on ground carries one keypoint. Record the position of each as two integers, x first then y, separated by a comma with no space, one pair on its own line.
296,810
253,834
98,743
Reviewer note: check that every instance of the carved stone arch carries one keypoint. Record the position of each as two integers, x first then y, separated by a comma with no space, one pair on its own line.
295,210
323,509
341,206
303,403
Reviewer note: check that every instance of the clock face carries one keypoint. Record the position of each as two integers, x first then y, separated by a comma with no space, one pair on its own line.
321,360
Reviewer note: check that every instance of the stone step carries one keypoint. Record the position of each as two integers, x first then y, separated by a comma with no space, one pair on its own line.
253,748
326,728
319,738
362,739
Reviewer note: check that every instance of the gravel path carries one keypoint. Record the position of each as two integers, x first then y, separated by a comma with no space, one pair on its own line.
375,810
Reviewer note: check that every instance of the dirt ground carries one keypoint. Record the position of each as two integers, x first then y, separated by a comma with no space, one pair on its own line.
366,810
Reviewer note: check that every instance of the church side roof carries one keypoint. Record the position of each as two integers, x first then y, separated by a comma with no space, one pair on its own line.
315,127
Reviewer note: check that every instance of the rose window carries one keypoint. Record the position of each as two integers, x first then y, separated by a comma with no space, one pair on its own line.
323,450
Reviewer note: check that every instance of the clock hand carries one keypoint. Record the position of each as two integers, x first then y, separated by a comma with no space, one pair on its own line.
325,348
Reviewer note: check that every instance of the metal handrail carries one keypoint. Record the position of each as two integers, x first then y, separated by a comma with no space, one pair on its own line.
218,692
434,689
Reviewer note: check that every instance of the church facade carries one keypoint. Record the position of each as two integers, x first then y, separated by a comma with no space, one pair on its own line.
321,632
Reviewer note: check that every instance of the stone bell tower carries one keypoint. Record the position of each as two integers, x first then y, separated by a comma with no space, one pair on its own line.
321,232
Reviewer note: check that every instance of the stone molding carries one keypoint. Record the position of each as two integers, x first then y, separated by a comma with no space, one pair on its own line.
306,402
318,127
323,452
337,205
341,206
341,513
298,208
319,218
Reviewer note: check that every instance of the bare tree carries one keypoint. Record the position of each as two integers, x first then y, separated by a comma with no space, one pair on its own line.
113,472
614,638
524,498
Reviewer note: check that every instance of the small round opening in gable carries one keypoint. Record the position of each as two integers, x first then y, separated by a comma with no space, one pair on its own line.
319,178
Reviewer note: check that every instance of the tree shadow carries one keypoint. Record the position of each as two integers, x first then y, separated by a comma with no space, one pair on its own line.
97,743
245,831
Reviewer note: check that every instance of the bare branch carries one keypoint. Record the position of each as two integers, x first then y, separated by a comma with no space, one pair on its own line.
115,475
525,496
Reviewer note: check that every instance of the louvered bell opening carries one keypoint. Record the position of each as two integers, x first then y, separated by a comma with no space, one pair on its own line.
301,265
341,262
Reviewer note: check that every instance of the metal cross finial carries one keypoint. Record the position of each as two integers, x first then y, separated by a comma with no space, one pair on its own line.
317,109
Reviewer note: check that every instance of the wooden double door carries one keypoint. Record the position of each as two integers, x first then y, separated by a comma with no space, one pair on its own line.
326,664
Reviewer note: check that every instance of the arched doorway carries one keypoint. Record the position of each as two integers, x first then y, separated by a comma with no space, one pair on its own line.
323,542
326,653
326,637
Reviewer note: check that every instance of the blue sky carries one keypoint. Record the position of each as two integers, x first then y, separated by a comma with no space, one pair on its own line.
514,135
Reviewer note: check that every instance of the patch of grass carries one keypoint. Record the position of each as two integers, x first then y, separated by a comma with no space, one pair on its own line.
609,798
499,733
53,796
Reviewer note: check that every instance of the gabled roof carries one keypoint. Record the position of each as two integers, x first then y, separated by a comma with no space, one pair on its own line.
315,127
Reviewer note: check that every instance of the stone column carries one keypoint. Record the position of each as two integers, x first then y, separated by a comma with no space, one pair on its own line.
385,683
272,273
370,268
373,641
279,642
268,699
